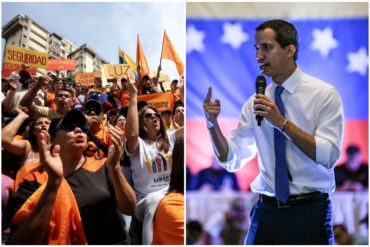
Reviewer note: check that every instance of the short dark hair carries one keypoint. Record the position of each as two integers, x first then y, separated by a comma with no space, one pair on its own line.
177,104
286,33
66,89
352,149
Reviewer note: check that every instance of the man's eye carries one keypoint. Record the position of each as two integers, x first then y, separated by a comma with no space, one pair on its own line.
266,46
263,46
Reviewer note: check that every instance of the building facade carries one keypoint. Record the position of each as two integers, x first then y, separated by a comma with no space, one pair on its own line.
23,32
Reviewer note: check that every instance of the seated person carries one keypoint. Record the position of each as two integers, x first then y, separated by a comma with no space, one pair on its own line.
353,174
102,95
68,198
98,137
215,178
178,115
168,225
64,99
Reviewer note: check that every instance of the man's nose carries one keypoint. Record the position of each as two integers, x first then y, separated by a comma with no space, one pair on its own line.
259,55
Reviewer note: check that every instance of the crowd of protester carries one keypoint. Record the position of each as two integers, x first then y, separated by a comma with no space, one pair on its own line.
90,164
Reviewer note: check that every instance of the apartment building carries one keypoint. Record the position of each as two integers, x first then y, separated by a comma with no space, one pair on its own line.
24,32
87,60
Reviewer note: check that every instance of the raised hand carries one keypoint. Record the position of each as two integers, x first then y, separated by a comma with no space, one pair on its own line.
266,107
43,81
116,146
13,85
50,160
23,111
211,108
130,85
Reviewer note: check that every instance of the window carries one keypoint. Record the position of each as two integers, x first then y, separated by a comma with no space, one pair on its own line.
38,43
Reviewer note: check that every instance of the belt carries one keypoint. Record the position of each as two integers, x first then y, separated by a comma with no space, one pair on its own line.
294,200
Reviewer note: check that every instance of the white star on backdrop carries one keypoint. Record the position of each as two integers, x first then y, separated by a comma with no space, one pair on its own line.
234,35
323,41
194,40
358,61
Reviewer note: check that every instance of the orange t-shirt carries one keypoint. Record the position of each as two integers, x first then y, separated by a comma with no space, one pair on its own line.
168,226
50,101
125,98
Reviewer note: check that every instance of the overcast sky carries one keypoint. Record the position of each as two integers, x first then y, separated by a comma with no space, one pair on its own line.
107,26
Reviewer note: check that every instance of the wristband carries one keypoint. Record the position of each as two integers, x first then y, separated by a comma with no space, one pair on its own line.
283,126
210,125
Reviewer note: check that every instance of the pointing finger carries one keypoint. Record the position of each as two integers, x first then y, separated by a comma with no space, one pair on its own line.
209,95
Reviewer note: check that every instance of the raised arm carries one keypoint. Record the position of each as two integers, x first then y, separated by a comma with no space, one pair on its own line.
125,195
212,109
35,227
27,100
9,101
17,147
132,126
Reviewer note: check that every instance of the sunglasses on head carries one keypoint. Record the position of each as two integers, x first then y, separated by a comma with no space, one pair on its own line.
72,126
150,115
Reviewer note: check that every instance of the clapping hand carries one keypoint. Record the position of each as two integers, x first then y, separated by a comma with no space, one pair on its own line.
50,160
116,146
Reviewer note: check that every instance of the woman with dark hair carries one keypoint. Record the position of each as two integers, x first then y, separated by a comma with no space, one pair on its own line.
149,148
71,198
120,122
27,148
169,217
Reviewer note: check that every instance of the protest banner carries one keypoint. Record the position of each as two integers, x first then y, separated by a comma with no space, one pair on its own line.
9,68
16,55
118,71
87,78
161,101
61,64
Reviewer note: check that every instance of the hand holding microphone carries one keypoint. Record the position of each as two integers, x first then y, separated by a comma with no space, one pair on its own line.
260,89
264,107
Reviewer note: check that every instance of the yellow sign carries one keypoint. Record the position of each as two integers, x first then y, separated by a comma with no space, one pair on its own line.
87,78
112,71
165,78
16,55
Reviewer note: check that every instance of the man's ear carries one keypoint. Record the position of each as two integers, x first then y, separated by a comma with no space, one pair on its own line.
291,50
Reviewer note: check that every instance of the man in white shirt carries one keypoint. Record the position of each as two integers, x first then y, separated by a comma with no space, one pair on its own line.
298,142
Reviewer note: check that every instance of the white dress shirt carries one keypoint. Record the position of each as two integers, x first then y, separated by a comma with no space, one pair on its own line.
313,106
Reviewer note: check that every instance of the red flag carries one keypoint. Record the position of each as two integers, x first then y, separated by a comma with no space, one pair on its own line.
141,59
169,52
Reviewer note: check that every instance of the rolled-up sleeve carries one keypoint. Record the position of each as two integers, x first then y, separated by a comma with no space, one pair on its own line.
330,128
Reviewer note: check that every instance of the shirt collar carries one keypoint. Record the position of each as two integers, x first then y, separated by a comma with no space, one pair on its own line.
291,83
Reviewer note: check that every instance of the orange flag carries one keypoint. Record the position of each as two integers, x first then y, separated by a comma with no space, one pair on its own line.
169,52
141,59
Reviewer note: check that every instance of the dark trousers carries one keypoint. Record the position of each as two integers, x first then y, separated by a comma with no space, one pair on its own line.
302,224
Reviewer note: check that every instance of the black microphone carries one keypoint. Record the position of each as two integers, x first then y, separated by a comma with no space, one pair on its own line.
260,89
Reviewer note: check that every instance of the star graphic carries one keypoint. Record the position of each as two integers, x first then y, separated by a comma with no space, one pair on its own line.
194,40
323,41
358,61
234,35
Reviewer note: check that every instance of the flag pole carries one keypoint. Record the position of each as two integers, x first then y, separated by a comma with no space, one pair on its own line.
137,59
160,61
